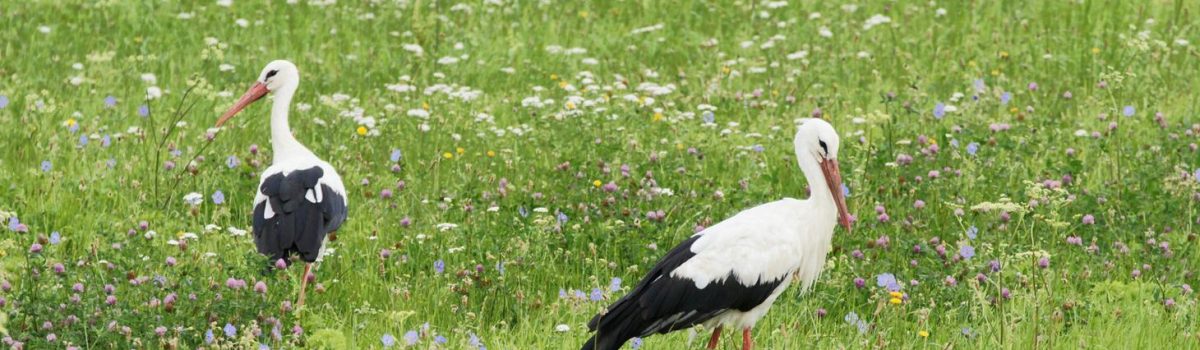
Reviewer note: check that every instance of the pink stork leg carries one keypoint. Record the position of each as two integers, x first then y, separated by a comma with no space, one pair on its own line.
712,342
747,344
304,282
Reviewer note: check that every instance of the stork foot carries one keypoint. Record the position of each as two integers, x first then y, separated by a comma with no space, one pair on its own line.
747,344
304,283
716,336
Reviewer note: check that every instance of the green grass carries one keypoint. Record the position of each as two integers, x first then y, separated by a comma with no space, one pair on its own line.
878,86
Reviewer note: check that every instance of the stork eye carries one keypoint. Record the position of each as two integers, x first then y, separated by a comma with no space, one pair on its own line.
272,73
824,147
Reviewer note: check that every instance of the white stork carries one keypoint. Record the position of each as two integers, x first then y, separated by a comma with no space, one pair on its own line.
730,274
300,197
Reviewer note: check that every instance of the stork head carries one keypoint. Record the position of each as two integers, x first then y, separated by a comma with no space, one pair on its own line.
816,140
279,75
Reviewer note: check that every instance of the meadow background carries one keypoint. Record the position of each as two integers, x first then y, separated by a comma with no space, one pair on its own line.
1026,171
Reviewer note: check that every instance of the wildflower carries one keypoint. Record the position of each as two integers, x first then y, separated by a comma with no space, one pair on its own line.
218,197
972,148
439,266
411,337
448,155
1044,262
939,110
1005,97
1089,219
143,110
395,155
888,281
47,166
966,252
362,131
1128,111
170,261
972,232
55,237
1033,86
636,343
35,248
615,284
597,294
193,199
859,282
3,101
923,334
260,287
230,330
596,183
208,336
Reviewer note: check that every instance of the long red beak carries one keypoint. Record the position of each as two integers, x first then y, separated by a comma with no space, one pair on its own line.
255,93
833,179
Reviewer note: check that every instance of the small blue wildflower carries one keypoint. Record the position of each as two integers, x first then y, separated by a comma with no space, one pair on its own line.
709,117
562,293
597,294
939,110
13,223
636,343
143,110
73,127
262,346
615,284
411,337
979,86
966,252
1005,97
208,336
439,266
954,143
1196,176
232,162
388,340
218,197
230,330
1128,111
110,101
83,140
851,317
888,281
55,237
972,148
396,155
175,153
112,162
3,101
758,148
440,339
105,141
473,340
562,218
579,294
47,166
972,232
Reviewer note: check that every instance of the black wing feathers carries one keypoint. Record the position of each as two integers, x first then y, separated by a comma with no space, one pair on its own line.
298,225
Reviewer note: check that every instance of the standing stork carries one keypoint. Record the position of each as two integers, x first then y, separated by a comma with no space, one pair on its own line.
300,197
730,274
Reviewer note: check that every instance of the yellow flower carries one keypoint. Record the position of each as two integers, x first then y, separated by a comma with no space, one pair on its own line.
895,294
1013,110
596,183
923,334
491,153
658,116
425,105
70,122
995,72
1003,54
362,131
570,105
1095,50
724,69
448,155
583,14
460,150
553,76
895,301
679,146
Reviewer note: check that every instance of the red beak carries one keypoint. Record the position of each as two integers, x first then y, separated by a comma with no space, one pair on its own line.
833,179
255,93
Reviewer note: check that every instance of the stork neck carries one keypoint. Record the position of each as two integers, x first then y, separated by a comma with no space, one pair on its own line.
819,192
283,143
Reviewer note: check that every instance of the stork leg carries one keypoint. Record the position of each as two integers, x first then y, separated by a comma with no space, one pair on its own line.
712,342
304,283
747,344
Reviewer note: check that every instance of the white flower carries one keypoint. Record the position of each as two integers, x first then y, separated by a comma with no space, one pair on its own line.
876,20
186,15
225,3
44,29
225,67
415,49
211,228
401,87
193,199
562,328
419,113
241,22
448,60
153,92
590,61
150,234
509,70
445,226
76,81
149,78
797,55
1181,42
825,32
647,29
236,231
939,12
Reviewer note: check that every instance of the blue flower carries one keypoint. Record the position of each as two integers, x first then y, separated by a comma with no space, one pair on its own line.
972,148
439,266
411,337
757,148
208,336
262,346
3,101
597,294
966,252
105,141
636,343
396,155
218,197
388,340
13,223
972,232
473,340
1197,175
562,293
1005,97
939,110
709,117
979,86
615,285
232,162
112,162
73,128
1128,111
83,140
562,218
47,166
110,101
55,237
851,317
888,281
143,110
440,339
230,330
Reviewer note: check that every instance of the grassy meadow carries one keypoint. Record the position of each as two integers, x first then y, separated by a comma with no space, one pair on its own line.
1027,171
